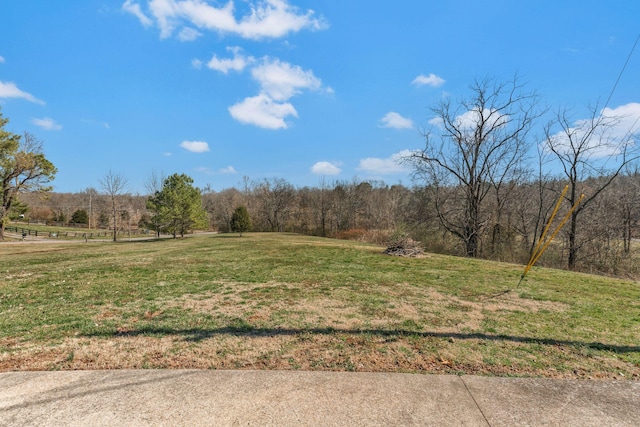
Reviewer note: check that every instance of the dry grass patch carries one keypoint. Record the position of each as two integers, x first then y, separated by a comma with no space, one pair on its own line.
306,351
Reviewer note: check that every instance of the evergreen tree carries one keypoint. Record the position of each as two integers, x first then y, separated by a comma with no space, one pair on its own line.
18,210
240,220
177,207
80,217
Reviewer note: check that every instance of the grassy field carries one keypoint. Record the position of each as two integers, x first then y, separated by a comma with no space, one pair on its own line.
281,301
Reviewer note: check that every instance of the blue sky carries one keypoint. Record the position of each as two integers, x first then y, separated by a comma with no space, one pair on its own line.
293,89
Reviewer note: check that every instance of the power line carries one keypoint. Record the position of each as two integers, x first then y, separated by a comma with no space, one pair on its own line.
613,89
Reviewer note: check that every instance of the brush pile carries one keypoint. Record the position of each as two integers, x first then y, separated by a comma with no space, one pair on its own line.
404,246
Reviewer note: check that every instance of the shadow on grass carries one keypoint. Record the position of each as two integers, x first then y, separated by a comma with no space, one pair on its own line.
198,334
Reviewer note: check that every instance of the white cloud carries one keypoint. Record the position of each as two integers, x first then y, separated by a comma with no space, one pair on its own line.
395,121
10,90
325,168
390,165
280,80
188,34
195,146
164,11
606,140
430,80
134,9
263,111
228,170
436,121
1,59
167,154
491,118
96,122
205,170
629,115
266,18
237,63
468,121
208,171
47,123
275,18
196,63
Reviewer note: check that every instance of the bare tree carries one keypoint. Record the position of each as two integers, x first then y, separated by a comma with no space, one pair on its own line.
342,206
629,204
321,207
155,182
113,185
90,197
478,145
221,206
532,204
586,148
276,200
153,186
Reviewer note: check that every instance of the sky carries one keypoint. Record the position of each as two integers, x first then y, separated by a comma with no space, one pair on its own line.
295,89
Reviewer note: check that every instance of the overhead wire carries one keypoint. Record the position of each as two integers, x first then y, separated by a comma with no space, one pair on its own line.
613,89
624,67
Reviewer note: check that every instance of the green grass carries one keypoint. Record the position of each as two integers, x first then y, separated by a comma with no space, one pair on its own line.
282,301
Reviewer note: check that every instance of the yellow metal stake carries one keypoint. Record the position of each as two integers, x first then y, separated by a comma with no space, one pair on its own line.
544,244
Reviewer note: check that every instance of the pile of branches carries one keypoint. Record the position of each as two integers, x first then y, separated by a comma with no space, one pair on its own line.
405,246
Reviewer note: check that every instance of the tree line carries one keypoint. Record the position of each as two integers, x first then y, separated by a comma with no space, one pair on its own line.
484,185
606,238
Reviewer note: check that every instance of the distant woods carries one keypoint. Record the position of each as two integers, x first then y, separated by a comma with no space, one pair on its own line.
374,211
485,183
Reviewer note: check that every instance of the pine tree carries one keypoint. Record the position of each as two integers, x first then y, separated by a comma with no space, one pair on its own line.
240,220
80,217
177,208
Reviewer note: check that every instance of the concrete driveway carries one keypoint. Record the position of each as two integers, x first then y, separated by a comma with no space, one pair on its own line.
290,398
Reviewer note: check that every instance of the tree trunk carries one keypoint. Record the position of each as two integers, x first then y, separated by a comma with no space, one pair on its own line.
626,229
472,244
472,228
573,247
115,223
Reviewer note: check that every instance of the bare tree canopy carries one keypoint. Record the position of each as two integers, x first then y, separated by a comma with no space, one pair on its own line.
475,146
594,147
113,185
